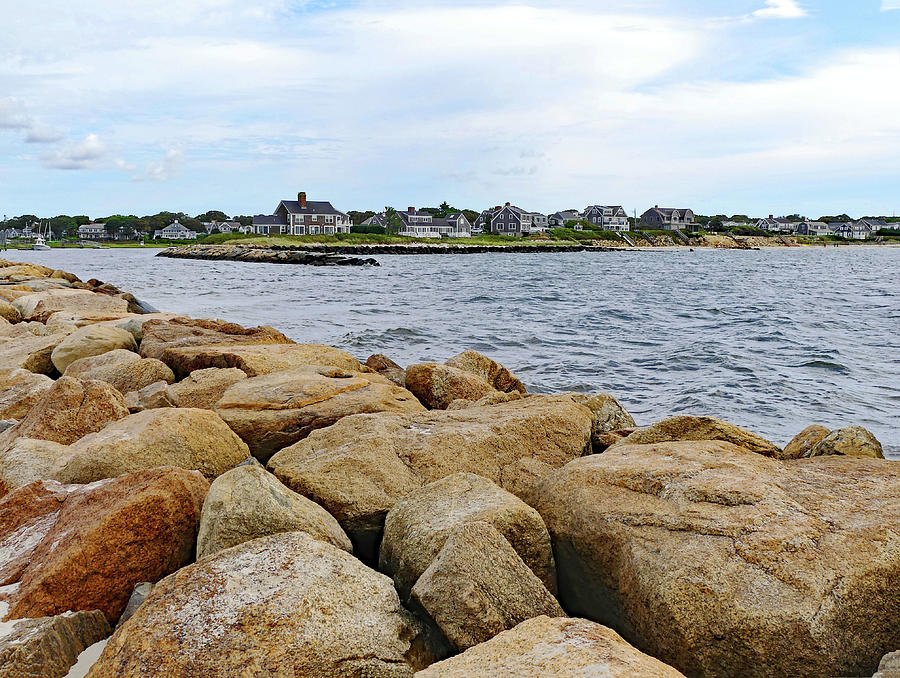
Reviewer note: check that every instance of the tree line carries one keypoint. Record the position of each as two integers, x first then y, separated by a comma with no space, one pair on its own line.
64,225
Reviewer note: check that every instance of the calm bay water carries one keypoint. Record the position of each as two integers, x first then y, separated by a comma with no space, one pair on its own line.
773,340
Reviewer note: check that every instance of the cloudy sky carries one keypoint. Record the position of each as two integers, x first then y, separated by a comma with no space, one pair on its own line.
734,106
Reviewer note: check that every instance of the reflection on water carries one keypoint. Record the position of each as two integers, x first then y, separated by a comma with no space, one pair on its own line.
772,340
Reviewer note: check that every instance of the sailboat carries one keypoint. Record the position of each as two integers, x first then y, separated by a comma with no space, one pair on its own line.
39,242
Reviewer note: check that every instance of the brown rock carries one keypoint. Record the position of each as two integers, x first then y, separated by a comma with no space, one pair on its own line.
853,441
186,438
889,667
67,411
123,370
724,562
418,526
49,646
609,415
604,441
803,442
247,502
107,537
361,466
150,397
684,427
277,410
41,305
562,648
258,360
69,321
9,312
92,340
437,385
21,349
387,368
203,388
285,605
491,371
20,390
26,516
478,586
26,460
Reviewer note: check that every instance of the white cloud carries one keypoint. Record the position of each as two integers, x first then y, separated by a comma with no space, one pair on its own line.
13,115
887,5
40,134
781,9
164,169
85,154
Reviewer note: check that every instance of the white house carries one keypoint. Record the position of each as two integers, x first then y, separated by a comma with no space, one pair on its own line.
92,232
175,231
303,217
419,224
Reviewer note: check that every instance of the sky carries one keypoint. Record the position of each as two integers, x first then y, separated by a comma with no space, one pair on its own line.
724,106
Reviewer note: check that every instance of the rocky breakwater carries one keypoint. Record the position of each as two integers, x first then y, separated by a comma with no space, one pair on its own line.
264,255
207,499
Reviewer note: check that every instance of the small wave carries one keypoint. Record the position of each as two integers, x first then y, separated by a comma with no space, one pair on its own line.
385,337
826,365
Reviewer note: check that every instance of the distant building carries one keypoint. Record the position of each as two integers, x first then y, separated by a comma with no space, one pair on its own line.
778,225
512,220
303,217
668,219
226,227
609,217
92,232
175,231
419,224
807,227
560,219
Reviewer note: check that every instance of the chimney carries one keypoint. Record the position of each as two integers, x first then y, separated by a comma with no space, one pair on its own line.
507,204
411,210
301,198
771,216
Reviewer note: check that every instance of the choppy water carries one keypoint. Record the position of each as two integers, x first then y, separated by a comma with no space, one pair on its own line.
773,340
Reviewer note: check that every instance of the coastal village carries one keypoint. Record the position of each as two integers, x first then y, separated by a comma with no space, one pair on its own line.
304,217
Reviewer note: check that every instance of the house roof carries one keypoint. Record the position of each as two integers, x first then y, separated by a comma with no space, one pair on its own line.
667,211
312,207
263,219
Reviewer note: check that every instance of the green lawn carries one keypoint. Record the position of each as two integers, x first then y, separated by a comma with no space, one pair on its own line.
377,239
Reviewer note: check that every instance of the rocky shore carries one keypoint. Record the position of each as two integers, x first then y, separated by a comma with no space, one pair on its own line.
190,497
266,255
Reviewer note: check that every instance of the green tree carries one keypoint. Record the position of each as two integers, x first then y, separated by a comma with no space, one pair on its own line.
212,215
392,220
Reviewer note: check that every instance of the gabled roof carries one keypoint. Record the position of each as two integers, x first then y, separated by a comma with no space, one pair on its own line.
263,219
312,207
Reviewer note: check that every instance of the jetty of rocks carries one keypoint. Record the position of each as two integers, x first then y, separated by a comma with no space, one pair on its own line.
265,255
189,497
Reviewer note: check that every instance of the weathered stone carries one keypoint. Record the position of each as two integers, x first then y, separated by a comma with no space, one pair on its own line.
684,427
11,270
803,442
122,369
387,368
417,527
478,586
67,411
724,562
26,460
150,397
25,518
161,336
203,388
363,465
277,410
104,538
21,349
285,605
7,424
609,415
258,360
853,441
9,312
135,600
20,390
490,370
69,321
437,385
92,340
247,502
562,648
889,667
604,441
41,305
49,646
187,438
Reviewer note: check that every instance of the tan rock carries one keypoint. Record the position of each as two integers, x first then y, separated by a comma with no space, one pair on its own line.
123,370
107,537
26,516
361,466
13,269
49,646
609,415
277,410
684,427
41,305
150,397
26,460
387,368
600,443
89,341
853,441
9,312
67,411
437,385
490,370
562,648
889,667
418,526
478,586
724,562
247,502
203,388
69,321
21,349
258,360
285,605
187,438
803,442
20,390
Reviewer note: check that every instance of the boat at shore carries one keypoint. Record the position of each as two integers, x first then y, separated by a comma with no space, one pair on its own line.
39,243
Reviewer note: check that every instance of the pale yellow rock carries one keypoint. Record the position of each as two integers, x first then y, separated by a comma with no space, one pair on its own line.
259,359
26,460
20,390
684,427
88,341
204,388
21,349
853,441
41,305
124,370
803,442
9,312
490,370
437,385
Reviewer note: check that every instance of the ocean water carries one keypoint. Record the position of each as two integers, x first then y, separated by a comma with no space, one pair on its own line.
773,340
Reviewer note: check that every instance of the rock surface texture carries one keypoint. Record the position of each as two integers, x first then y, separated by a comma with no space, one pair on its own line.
41,305
803,442
247,502
544,647
723,562
122,369
853,441
286,605
437,385
92,340
685,427
359,468
258,360
490,370
203,388
20,390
